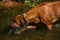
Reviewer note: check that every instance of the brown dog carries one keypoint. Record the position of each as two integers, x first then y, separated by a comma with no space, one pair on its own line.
46,13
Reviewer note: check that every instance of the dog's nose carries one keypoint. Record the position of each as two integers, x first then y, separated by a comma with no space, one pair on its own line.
16,25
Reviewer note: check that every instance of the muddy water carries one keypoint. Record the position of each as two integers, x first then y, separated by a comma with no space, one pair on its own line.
33,35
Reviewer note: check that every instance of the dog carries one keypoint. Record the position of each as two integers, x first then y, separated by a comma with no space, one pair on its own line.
46,13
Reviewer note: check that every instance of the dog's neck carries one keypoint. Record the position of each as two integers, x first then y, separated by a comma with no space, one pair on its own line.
29,19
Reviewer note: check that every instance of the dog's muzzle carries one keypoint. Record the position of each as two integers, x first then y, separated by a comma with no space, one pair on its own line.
14,30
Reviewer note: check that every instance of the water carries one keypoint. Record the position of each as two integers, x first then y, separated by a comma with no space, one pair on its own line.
32,35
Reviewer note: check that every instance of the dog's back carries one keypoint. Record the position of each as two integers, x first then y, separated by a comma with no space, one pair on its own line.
50,11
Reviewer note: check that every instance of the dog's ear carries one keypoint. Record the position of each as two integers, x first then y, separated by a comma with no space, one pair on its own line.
23,22
17,19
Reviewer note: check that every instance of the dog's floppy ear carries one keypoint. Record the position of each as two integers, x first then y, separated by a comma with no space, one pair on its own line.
24,23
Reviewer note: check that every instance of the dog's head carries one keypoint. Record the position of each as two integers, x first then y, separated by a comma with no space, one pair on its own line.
19,23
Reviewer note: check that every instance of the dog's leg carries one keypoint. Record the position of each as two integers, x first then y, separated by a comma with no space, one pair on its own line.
48,23
31,27
49,27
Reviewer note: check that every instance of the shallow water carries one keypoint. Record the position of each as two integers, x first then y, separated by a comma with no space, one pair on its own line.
32,35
